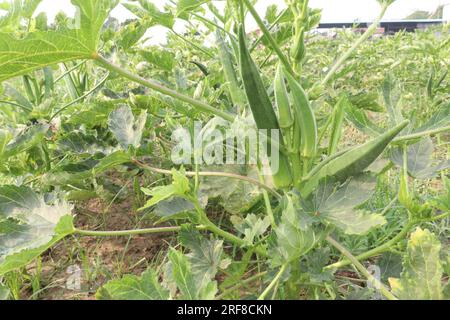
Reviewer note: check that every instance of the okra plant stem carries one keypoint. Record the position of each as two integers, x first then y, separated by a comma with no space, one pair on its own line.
273,282
131,232
385,291
378,250
269,37
211,174
421,134
370,31
202,106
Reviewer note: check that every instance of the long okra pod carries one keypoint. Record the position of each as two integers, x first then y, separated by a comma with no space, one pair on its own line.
261,107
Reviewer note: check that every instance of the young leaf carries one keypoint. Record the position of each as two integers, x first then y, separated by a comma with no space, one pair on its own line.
421,278
39,49
131,287
252,227
126,129
179,187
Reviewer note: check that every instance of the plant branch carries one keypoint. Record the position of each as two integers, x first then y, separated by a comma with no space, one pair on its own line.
421,134
370,31
385,291
375,251
131,232
273,282
269,37
202,106
210,174
98,85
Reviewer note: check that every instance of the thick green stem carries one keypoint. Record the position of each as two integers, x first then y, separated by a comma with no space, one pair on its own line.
202,106
421,134
378,250
273,282
385,291
211,174
241,284
131,232
370,31
269,37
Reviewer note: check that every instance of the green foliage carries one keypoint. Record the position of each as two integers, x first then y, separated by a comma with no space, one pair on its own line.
422,269
39,49
351,113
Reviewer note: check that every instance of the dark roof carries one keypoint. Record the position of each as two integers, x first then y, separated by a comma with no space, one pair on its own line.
394,24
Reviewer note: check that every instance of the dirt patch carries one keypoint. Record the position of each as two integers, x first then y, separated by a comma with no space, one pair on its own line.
78,266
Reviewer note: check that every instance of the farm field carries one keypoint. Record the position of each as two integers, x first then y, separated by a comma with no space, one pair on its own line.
225,164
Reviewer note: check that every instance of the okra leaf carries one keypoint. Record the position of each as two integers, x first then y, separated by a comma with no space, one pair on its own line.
186,281
25,140
39,49
4,292
179,187
234,195
132,287
419,159
205,255
148,9
439,119
127,130
335,203
61,178
186,6
366,101
294,235
251,227
29,226
421,278
5,138
352,162
172,207
362,122
158,57
392,98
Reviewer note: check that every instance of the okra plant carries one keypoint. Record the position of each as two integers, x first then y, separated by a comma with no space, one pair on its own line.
88,100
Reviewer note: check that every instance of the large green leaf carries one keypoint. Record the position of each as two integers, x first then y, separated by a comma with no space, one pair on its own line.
205,255
24,141
352,162
419,159
131,287
61,178
294,235
39,49
4,292
421,278
335,203
127,130
186,281
28,225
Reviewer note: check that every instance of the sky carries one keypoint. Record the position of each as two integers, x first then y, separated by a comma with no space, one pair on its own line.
333,10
